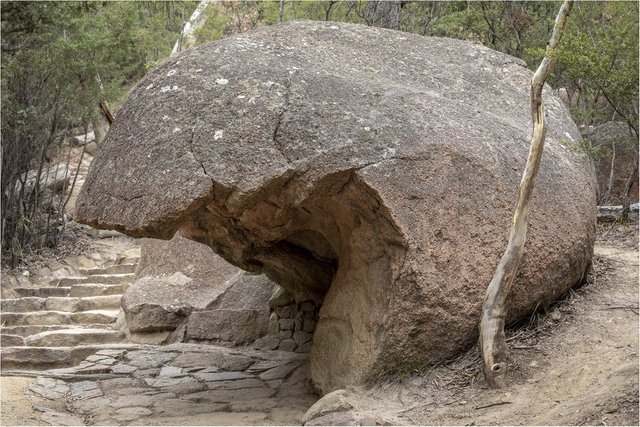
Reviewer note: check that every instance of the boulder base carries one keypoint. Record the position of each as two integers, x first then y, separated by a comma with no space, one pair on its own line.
371,170
182,285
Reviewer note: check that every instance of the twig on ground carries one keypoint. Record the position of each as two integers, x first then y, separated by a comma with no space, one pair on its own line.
621,307
493,404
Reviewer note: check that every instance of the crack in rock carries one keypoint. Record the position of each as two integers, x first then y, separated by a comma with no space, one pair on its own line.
287,103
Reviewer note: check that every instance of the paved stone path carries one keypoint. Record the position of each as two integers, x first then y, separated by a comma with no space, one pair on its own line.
179,384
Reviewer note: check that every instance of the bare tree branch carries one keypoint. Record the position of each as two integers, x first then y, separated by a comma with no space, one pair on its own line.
492,339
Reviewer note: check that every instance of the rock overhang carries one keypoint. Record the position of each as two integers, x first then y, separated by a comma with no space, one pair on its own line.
349,163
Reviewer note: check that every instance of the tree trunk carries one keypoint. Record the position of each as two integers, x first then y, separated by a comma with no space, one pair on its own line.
492,340
383,13
100,127
280,12
627,189
607,198
197,20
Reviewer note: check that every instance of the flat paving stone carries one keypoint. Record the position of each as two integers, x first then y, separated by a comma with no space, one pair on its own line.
94,405
85,390
248,383
221,376
117,384
45,392
279,372
111,352
178,385
170,371
93,368
130,414
219,359
61,419
134,410
100,358
135,400
123,368
228,396
180,406
148,359
264,365
146,373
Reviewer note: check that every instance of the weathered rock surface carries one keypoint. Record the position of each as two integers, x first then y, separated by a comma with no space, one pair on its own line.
54,177
150,303
182,282
369,169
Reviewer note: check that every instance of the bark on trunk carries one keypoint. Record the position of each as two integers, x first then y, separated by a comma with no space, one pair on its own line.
492,339
100,127
607,198
627,189
108,115
384,13
197,20
280,12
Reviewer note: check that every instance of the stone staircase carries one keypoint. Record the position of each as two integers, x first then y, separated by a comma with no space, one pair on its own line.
70,318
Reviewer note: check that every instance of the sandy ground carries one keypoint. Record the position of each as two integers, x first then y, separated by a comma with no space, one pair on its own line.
575,364
17,406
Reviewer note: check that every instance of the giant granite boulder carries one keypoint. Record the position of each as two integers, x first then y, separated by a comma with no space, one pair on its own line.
371,170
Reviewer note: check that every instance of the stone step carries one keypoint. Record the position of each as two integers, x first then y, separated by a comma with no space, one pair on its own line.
9,340
23,304
68,281
26,330
59,317
130,260
44,292
105,279
79,304
74,337
114,269
26,357
27,304
96,289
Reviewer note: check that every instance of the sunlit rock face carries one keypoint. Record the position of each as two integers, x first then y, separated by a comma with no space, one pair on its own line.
371,170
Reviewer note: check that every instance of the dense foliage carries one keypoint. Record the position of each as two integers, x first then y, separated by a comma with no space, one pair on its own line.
61,59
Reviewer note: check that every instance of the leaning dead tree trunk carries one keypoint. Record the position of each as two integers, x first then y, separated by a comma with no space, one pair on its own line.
492,340
197,20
